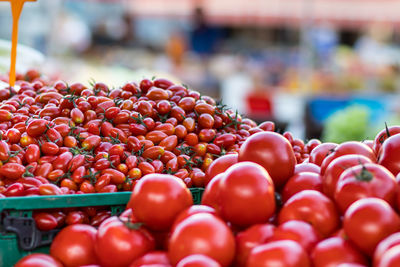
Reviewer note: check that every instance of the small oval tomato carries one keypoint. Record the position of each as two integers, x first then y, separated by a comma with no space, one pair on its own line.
12,170
32,153
45,221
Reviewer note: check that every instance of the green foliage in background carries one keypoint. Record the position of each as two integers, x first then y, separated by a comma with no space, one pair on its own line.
352,124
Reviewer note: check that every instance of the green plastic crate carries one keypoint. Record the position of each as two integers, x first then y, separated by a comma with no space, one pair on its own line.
17,211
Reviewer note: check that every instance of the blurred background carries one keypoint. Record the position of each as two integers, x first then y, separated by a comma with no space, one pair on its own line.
325,69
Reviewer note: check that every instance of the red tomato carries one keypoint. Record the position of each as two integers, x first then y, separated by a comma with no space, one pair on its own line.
368,180
74,245
390,258
253,236
193,210
278,253
45,221
301,181
211,193
205,234
334,251
383,135
246,195
336,168
320,151
38,260
307,167
36,127
220,165
383,246
369,220
12,170
313,207
272,151
158,258
299,231
197,260
389,154
157,199
111,234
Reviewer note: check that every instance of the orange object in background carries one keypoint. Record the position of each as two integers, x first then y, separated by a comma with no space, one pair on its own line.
16,8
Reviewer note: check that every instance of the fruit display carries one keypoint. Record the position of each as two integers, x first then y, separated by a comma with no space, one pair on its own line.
269,198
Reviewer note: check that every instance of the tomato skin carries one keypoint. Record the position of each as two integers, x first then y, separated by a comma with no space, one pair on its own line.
313,207
384,245
45,221
4,150
301,181
12,170
32,153
390,258
74,245
320,151
36,127
14,190
157,199
306,167
272,151
111,234
336,168
220,165
253,236
367,180
278,253
38,260
368,221
389,154
62,161
197,260
205,234
238,205
381,137
49,189
334,251
299,231
211,193
159,258
49,148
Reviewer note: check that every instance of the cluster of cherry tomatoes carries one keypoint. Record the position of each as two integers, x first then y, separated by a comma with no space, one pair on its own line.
338,207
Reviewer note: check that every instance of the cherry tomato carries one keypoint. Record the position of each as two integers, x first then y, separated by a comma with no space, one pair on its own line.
38,259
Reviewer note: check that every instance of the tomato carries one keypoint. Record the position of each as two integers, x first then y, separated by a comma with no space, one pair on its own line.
334,251
306,167
193,210
49,189
253,236
49,148
205,234
368,180
45,221
74,245
301,181
13,135
389,242
278,253
12,170
390,258
62,161
313,207
14,190
91,142
384,134
299,231
169,143
197,260
111,234
211,193
157,199
38,260
272,151
347,148
318,154
158,258
4,150
36,127
246,194
369,220
389,154
336,168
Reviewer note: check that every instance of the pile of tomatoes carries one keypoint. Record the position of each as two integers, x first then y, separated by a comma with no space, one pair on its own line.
338,206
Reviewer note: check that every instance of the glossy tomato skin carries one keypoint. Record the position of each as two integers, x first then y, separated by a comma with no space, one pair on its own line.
193,210
211,193
220,165
336,168
299,231
318,154
278,253
272,151
74,245
389,154
390,258
383,246
205,234
157,199
368,180
301,181
153,257
334,251
117,245
368,221
381,137
253,236
247,195
306,167
197,260
313,207
38,260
